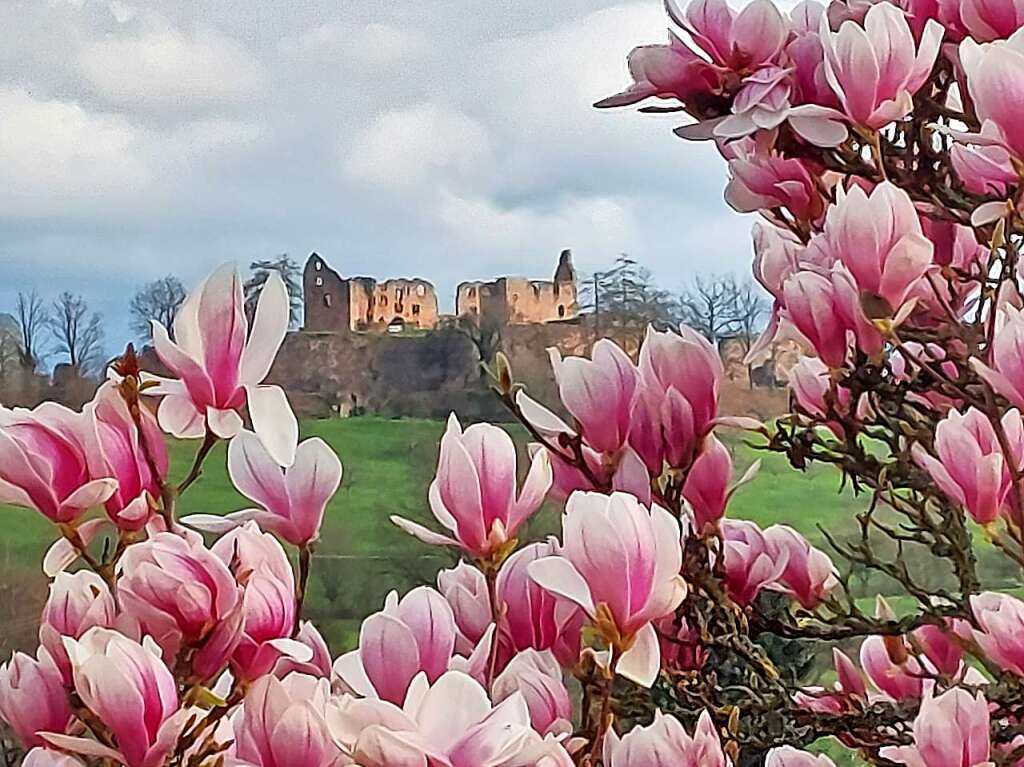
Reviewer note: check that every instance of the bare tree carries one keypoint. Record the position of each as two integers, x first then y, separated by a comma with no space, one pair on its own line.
77,332
158,300
10,345
708,305
33,320
290,272
749,309
626,296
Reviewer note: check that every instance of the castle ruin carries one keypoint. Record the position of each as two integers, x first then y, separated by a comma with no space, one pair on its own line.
334,303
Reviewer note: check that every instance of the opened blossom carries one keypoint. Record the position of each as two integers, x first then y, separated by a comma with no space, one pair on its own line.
465,589
809,575
950,730
44,463
412,635
665,741
743,40
620,563
765,180
474,493
750,562
282,723
129,689
538,678
184,597
876,67
900,679
986,20
219,364
451,722
292,501
969,464
1004,371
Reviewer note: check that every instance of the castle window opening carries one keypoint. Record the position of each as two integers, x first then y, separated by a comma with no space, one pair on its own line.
415,308
420,290
561,310
383,300
318,265
471,292
327,300
319,281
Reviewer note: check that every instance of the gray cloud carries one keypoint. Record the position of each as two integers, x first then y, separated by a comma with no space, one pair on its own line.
445,138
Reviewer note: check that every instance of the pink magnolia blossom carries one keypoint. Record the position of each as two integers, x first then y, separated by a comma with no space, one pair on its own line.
666,742
412,635
762,179
1005,369
815,394
681,373
220,364
268,600
899,681
44,463
474,493
848,693
183,596
970,466
451,723
813,309
319,665
538,678
875,68
987,20
984,170
464,587
750,562
741,41
1001,637
282,724
809,575
292,500
599,393
951,730
879,239
77,602
533,617
936,643
707,483
670,71
620,563
132,692
33,698
995,73
116,450
787,756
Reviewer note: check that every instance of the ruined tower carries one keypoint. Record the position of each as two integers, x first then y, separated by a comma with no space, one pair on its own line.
519,301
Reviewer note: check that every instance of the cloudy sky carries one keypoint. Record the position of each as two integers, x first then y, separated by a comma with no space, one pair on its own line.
448,139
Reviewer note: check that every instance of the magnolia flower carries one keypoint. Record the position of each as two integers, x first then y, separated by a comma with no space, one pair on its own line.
741,41
44,463
599,393
116,450
666,742
901,680
130,690
77,602
971,467
707,483
474,492
292,500
951,730
848,693
451,723
220,364
464,587
1001,637
1005,369
533,617
985,20
761,180
33,698
538,678
809,575
876,68
750,561
282,723
319,665
421,625
620,563
813,308
45,757
994,73
182,595
268,600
